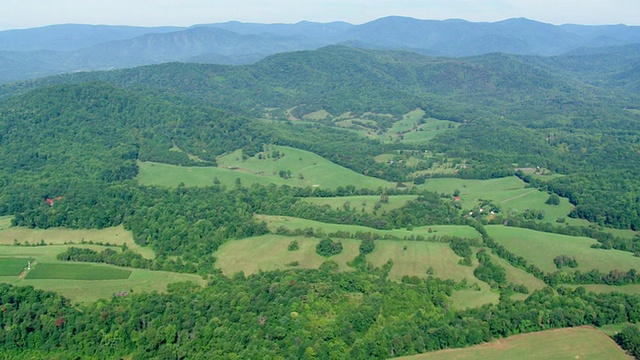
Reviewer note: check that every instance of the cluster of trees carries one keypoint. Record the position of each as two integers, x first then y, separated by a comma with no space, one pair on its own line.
298,313
328,247
563,260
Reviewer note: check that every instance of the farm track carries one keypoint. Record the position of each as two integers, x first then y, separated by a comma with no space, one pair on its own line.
517,197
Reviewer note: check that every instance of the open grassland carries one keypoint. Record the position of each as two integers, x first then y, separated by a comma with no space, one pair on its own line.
57,236
519,277
631,289
414,128
541,248
362,203
139,280
508,193
5,222
571,343
10,266
269,252
75,271
292,223
302,168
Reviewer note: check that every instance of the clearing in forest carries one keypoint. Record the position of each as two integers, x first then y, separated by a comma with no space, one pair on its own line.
571,343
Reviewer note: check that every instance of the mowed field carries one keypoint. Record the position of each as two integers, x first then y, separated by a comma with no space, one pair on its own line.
116,235
292,223
306,169
541,248
508,193
362,203
560,344
80,282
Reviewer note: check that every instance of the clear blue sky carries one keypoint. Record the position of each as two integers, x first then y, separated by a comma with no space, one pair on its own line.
33,13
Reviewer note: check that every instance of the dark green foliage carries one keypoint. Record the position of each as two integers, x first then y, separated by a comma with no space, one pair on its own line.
293,246
629,339
489,271
564,260
553,199
367,246
328,247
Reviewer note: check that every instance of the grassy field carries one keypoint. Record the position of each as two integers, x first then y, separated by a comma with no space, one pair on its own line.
13,266
509,193
519,276
541,248
306,169
5,222
75,271
631,289
292,223
571,343
57,236
269,252
44,257
362,203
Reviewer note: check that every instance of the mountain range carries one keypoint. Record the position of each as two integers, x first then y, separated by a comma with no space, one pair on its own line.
38,52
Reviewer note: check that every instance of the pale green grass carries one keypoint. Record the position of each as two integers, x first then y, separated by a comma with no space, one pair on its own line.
471,298
519,276
89,290
5,222
269,252
317,115
292,223
571,343
57,236
632,289
306,168
541,248
362,203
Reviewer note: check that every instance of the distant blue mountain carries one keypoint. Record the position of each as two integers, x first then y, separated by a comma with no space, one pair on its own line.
58,49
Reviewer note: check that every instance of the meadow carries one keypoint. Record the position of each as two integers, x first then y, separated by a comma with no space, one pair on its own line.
66,278
302,169
570,343
362,203
292,223
541,248
116,235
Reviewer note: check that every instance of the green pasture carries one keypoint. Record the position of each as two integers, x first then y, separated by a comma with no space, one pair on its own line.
44,259
541,248
362,203
5,222
306,169
10,266
269,252
631,289
76,271
473,298
292,223
116,235
509,193
519,277
570,343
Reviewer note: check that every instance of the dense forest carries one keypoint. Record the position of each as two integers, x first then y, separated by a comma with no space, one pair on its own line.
78,140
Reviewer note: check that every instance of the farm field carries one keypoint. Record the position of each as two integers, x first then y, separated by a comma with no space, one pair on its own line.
5,222
528,244
570,343
57,236
603,288
76,271
13,266
292,223
508,193
44,257
362,203
519,276
306,169
269,252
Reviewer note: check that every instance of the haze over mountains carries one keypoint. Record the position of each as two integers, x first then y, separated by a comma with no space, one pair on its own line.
38,52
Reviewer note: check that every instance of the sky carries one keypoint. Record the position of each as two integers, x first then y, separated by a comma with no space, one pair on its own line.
17,14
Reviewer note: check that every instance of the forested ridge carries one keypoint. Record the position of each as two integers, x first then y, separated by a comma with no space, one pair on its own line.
77,140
